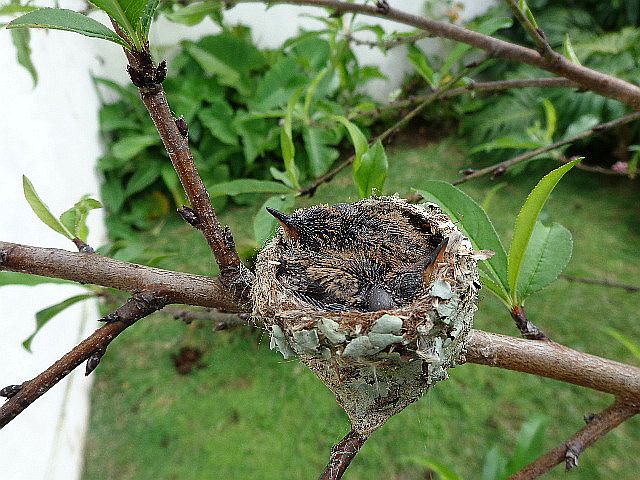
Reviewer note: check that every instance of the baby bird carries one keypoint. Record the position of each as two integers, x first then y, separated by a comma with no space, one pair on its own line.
365,256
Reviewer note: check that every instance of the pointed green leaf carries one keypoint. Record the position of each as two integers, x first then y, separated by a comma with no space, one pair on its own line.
20,38
317,145
127,14
547,254
75,219
529,444
147,16
61,19
525,223
246,185
475,223
551,119
41,209
568,50
264,224
212,65
420,62
43,316
286,141
370,172
357,137
27,280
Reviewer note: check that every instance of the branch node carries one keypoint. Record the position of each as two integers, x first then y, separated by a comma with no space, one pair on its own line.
183,128
93,361
82,246
526,327
499,171
190,216
589,417
10,390
145,76
572,455
382,6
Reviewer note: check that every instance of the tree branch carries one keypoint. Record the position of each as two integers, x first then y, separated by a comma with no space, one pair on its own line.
342,454
174,134
495,86
602,281
107,272
535,33
568,452
504,166
91,349
587,78
552,360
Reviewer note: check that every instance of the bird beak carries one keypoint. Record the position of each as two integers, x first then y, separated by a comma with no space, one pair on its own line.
287,224
435,258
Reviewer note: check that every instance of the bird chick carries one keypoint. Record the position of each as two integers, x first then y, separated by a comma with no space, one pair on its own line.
366,256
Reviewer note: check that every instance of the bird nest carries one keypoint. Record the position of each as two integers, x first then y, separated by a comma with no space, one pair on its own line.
375,297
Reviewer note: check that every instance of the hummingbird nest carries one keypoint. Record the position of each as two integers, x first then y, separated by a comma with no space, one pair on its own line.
375,297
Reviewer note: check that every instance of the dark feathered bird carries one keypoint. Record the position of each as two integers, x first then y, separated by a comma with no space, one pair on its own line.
360,256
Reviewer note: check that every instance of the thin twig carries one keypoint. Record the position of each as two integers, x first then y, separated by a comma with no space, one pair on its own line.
587,78
91,350
602,281
569,451
504,166
342,454
496,86
390,43
535,33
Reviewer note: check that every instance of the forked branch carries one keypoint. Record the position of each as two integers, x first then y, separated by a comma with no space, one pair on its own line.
90,350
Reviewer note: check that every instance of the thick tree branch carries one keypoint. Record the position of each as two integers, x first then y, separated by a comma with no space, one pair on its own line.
91,349
107,272
568,452
504,166
552,360
555,63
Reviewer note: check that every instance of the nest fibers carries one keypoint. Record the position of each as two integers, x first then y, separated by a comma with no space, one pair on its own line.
376,362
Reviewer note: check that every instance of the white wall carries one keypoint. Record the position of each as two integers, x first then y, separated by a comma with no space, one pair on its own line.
50,133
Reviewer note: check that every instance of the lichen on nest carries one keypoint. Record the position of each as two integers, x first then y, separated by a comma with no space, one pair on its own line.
375,297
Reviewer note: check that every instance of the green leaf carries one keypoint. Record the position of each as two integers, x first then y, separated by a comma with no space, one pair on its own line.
568,51
195,13
632,168
75,219
443,471
547,254
61,19
529,444
628,343
20,38
41,209
27,280
528,13
218,118
128,147
147,16
225,74
507,142
127,14
278,85
357,137
420,62
286,141
43,316
146,173
370,172
551,119
321,154
475,223
525,223
264,224
246,185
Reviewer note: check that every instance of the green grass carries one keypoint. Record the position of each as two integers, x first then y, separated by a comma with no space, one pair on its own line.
249,414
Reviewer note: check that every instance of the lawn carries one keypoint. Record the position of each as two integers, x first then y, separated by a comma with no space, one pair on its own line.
243,412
